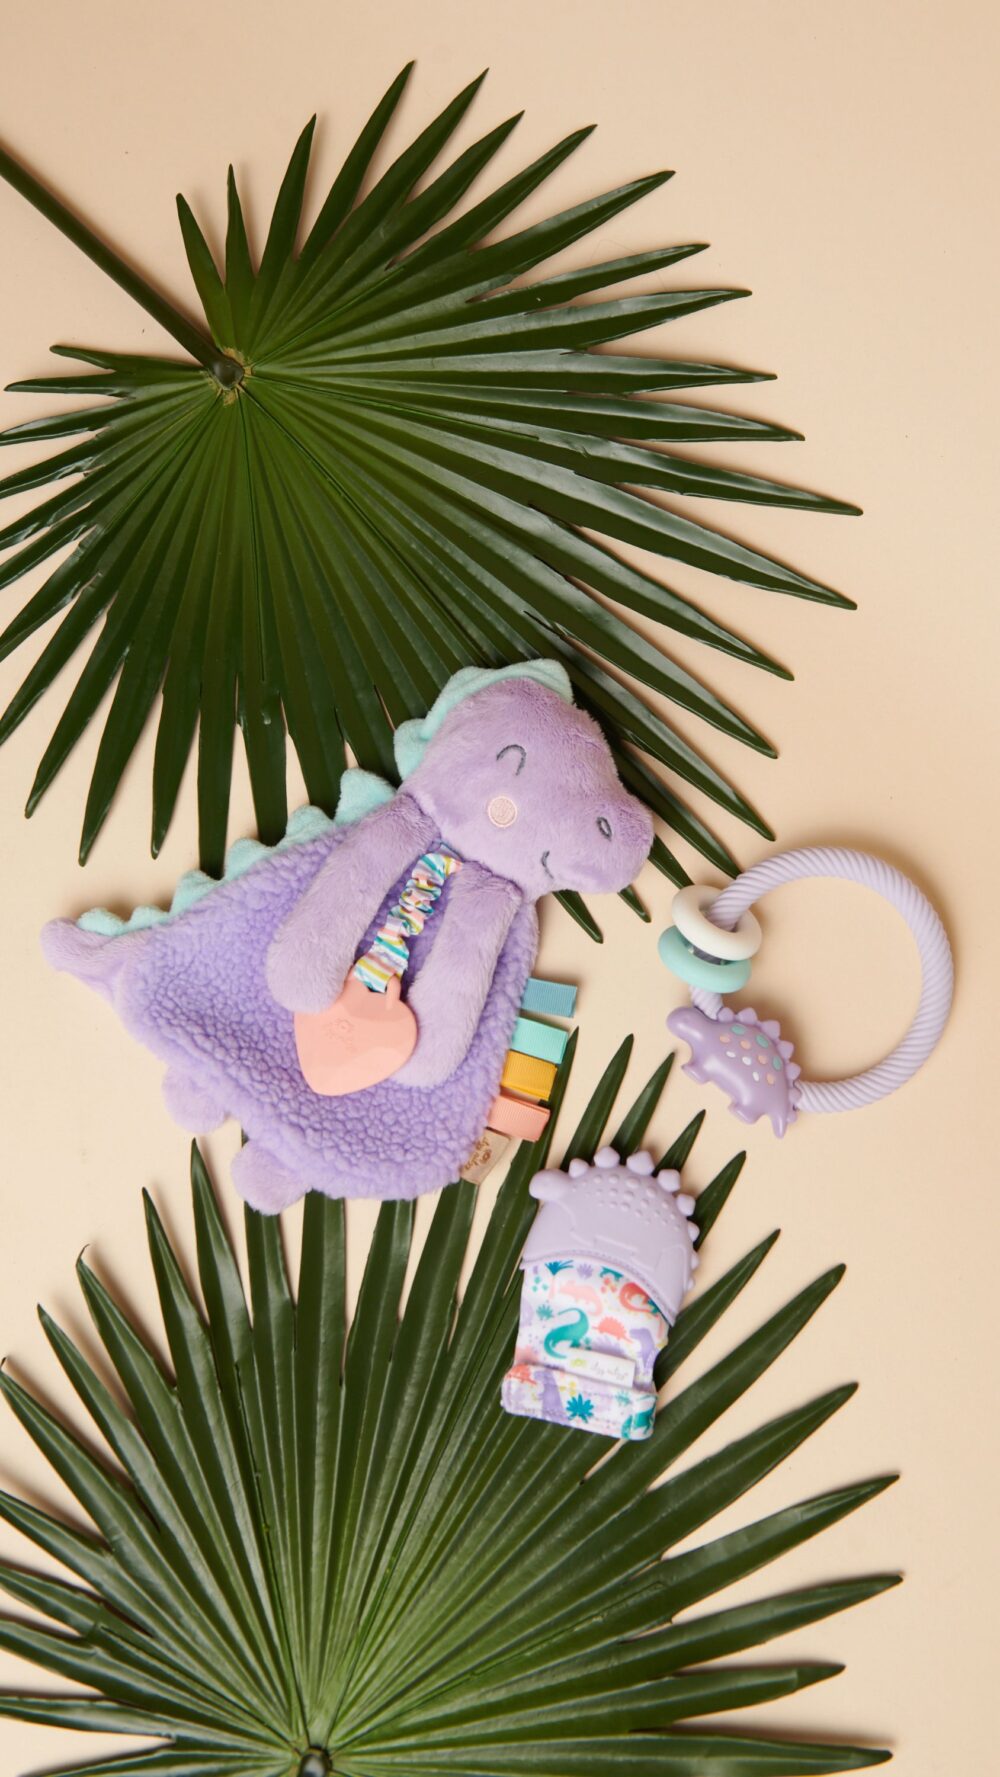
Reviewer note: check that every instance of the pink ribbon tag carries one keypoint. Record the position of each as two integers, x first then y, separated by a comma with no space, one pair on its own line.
364,1037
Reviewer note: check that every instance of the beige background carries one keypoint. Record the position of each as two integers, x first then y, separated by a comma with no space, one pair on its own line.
840,156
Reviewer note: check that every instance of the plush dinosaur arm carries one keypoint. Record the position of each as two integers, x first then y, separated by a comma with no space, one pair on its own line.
312,951
448,995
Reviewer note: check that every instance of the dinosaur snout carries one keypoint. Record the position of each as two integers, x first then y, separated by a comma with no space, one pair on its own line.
622,836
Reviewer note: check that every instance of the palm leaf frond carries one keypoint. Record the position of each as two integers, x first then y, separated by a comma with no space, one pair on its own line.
389,456
317,1543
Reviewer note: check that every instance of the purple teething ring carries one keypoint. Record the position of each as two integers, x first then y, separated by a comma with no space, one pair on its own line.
932,943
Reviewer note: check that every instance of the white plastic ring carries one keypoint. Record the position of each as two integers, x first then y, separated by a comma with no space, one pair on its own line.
687,911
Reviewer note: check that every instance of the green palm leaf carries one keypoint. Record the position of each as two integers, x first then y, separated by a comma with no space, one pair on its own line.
387,457
323,1546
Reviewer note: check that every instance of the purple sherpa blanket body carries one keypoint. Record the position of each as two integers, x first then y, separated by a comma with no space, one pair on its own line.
193,990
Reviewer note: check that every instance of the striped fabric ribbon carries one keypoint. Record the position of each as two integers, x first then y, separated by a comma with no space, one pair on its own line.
390,949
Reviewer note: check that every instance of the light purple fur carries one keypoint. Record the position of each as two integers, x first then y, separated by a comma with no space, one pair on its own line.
450,1000
194,991
564,786
319,938
212,992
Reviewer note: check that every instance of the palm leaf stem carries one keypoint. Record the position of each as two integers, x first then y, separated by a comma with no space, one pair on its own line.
225,369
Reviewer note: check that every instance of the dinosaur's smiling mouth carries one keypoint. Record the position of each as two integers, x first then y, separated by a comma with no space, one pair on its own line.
545,863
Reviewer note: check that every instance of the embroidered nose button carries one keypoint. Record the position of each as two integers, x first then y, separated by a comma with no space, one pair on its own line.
502,811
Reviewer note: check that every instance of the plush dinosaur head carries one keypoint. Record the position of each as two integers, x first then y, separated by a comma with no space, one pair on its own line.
523,782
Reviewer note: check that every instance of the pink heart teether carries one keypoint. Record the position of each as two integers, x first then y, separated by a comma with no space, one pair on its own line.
363,1038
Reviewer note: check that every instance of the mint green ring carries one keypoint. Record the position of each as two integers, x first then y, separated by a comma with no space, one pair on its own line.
700,971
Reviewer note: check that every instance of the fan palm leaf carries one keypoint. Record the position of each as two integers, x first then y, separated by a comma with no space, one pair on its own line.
319,1544
387,456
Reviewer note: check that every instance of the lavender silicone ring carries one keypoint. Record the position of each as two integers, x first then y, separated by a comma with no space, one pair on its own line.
931,940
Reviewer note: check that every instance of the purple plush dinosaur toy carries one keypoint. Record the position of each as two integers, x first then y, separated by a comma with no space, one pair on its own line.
506,774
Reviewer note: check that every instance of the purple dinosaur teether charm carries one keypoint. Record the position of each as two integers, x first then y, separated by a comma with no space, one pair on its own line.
745,1055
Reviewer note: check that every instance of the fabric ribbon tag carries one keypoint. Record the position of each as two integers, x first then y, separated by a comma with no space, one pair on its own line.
599,1366
369,1032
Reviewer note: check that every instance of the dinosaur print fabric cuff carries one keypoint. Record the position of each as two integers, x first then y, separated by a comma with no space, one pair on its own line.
534,1391
587,1341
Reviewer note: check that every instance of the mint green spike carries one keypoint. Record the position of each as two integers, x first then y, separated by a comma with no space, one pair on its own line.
360,792
307,823
191,888
99,920
242,856
142,917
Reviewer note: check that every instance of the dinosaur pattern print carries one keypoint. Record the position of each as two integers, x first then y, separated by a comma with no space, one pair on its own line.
587,1341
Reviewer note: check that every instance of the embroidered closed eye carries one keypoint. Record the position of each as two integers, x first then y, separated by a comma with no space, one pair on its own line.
604,826
514,748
